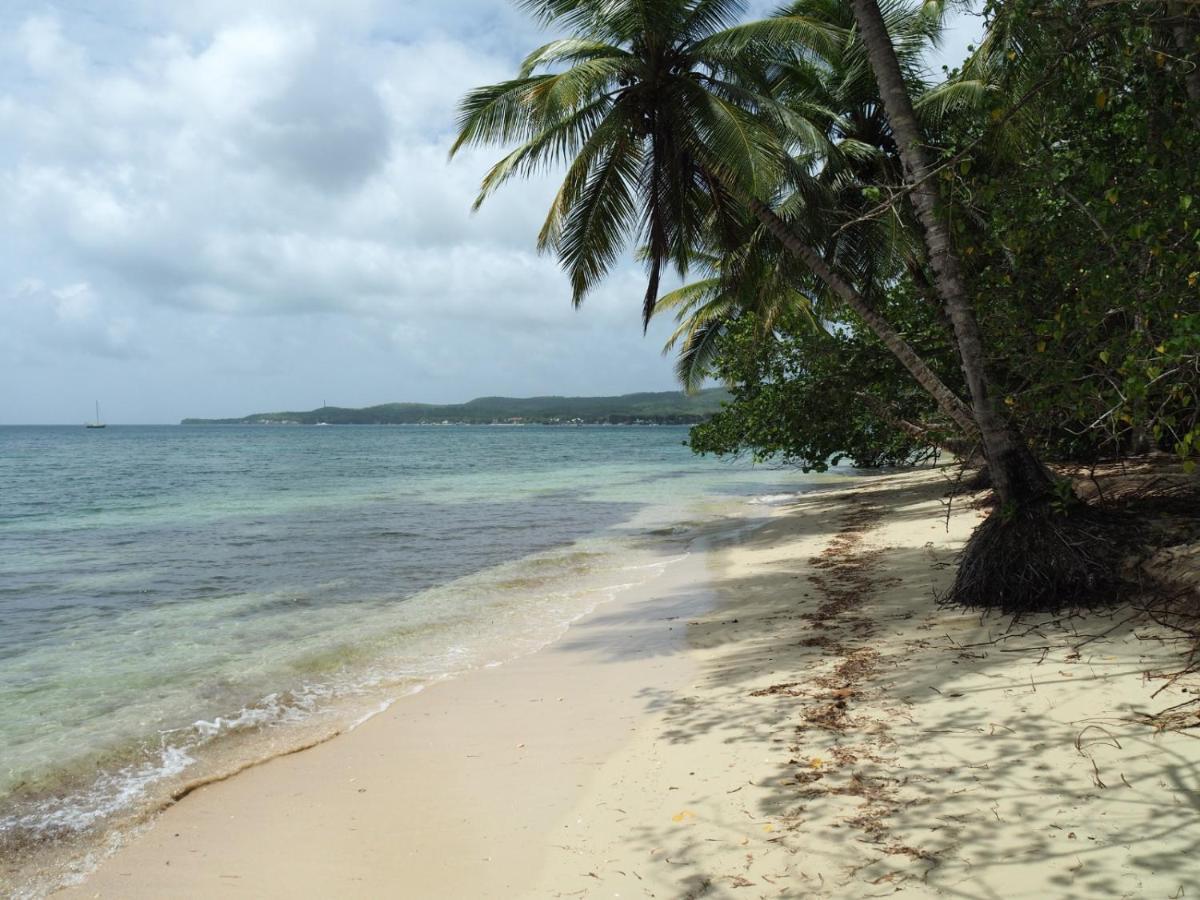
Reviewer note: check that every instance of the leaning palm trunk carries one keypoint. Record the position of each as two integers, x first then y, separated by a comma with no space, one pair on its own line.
947,401
1017,475
1030,554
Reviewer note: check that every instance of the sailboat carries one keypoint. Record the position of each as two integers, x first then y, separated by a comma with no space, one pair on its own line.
97,423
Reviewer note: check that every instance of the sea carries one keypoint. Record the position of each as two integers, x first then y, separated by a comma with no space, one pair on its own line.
179,601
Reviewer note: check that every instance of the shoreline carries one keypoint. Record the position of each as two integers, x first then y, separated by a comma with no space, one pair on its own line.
787,714
417,754
654,543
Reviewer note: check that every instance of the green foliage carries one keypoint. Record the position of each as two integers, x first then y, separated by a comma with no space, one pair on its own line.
1074,199
813,398
754,280
1086,246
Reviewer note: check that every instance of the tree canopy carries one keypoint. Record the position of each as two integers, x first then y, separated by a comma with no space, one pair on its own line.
881,263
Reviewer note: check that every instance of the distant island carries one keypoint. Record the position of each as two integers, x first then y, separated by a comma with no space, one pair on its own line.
658,408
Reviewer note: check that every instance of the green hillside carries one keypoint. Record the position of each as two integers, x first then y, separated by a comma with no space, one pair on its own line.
660,408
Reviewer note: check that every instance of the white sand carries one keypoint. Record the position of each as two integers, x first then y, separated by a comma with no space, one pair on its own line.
673,746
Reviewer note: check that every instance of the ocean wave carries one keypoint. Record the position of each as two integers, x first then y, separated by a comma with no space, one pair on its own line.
56,816
775,499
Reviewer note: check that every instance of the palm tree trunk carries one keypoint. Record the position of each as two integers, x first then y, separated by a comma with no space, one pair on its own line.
947,401
1017,475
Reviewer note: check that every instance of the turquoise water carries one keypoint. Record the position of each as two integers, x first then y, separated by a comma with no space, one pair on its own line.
175,600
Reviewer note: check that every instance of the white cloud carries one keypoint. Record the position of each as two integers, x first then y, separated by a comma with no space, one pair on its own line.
219,183
71,318
47,54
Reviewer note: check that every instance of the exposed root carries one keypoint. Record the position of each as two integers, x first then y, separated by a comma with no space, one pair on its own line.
1044,559
1047,557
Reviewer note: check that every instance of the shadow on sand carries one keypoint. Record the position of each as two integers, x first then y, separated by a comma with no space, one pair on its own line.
901,746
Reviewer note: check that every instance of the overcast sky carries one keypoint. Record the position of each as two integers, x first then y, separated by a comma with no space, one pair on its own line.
227,206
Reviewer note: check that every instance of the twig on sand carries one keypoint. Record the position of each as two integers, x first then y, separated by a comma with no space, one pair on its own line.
1079,747
1106,631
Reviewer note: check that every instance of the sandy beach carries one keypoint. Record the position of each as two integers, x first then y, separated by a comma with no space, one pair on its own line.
784,713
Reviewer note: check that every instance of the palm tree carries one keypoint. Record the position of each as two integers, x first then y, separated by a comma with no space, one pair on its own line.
1017,475
833,88
753,280
661,115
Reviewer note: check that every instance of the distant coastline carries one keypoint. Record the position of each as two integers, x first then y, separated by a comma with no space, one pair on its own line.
653,408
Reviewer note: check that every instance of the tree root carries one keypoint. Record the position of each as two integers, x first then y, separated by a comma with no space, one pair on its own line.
1044,558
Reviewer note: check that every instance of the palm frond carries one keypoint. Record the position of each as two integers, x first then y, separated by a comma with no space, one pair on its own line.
497,113
737,144
684,299
957,95
785,32
593,232
604,136
571,50
694,364
709,16
553,145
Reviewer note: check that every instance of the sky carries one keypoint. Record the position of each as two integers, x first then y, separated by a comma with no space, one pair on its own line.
233,206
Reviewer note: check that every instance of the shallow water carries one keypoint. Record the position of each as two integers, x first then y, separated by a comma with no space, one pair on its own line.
175,600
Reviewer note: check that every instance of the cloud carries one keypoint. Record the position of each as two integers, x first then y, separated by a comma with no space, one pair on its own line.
46,52
266,168
70,318
214,186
